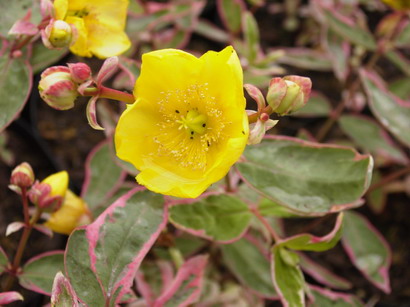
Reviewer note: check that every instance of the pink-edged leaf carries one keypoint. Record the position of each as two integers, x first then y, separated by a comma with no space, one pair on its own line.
4,261
368,135
347,27
323,275
344,176
10,297
103,176
107,70
92,113
223,218
39,272
43,229
209,30
308,242
367,249
231,12
24,26
63,294
391,111
186,288
101,259
324,297
14,227
377,198
144,288
15,84
287,277
400,60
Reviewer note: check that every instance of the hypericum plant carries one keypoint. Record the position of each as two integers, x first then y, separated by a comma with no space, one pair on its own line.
203,223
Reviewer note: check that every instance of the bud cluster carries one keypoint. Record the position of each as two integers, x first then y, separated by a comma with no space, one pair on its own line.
53,196
58,86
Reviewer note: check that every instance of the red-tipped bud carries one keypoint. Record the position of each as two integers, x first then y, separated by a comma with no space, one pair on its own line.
50,193
288,94
80,72
22,176
58,34
40,195
57,88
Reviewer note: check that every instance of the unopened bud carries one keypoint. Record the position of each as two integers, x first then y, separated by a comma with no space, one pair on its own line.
288,94
58,34
57,88
50,193
22,176
80,72
258,129
73,213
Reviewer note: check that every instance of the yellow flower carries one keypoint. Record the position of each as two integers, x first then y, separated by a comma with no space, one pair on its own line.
99,26
188,125
73,213
398,4
58,183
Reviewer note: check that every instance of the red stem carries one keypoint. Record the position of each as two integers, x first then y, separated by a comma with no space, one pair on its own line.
389,178
109,93
265,223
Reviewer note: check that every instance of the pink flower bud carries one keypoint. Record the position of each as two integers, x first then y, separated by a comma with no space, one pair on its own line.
40,194
80,72
58,34
57,88
288,94
22,176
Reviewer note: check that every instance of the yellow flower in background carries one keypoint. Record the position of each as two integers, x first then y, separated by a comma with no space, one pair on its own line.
73,213
98,26
398,4
188,125
58,183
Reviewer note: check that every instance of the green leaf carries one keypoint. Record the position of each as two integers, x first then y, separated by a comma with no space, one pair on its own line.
287,277
209,30
349,29
318,105
336,47
102,258
102,176
217,217
325,297
42,57
392,113
306,58
399,60
15,84
403,38
250,266
230,12
3,261
369,136
401,88
11,11
308,242
251,36
308,178
39,272
367,249
377,198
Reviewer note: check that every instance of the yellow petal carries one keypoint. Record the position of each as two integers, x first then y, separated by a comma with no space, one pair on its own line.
65,219
60,9
105,41
58,183
156,134
80,37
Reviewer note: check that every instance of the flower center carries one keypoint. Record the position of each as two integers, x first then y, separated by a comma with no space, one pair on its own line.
193,122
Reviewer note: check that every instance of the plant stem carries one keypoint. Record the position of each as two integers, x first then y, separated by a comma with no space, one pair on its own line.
265,223
22,245
105,92
389,178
